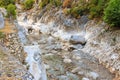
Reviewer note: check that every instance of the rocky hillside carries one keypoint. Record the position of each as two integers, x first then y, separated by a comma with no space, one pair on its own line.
51,45
94,38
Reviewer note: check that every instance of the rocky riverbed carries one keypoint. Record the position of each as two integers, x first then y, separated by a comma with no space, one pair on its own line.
56,47
64,59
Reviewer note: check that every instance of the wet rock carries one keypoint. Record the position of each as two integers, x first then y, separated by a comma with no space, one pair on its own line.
28,76
1,21
37,56
77,39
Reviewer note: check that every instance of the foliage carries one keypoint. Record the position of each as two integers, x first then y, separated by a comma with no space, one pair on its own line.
11,11
43,3
2,35
28,4
76,12
55,3
78,8
112,13
5,3
96,8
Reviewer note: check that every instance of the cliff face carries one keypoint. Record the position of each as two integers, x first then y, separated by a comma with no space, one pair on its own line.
96,39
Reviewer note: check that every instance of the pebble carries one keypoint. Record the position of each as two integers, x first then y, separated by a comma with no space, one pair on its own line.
67,60
75,70
85,79
94,75
47,66
81,73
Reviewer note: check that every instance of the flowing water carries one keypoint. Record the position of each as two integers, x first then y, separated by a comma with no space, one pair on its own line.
33,59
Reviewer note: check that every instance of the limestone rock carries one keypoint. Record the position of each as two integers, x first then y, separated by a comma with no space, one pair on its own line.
85,79
77,39
93,75
67,60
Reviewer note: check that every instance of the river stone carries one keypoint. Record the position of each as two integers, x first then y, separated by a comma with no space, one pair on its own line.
94,75
85,79
1,21
67,60
77,39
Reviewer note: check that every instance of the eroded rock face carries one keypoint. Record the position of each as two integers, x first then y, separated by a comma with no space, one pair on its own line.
103,44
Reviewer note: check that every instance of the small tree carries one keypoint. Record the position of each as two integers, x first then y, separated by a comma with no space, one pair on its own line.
28,4
112,13
11,13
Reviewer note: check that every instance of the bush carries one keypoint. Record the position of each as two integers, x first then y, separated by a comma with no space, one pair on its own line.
55,3
77,9
43,3
96,8
28,4
76,12
11,11
2,35
112,13
5,3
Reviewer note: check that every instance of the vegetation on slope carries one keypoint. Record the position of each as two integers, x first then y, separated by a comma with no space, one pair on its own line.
28,4
10,7
112,13
109,9
11,13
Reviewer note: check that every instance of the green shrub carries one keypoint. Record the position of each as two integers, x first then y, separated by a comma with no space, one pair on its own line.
78,8
43,3
76,12
112,13
55,3
28,4
5,3
2,35
11,11
96,8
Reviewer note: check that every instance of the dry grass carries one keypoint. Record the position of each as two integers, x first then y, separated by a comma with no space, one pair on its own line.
9,28
8,78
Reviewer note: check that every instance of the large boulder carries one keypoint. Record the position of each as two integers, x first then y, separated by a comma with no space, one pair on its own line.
77,39
1,21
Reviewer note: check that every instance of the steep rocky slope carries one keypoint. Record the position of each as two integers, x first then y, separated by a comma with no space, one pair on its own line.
74,46
62,47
